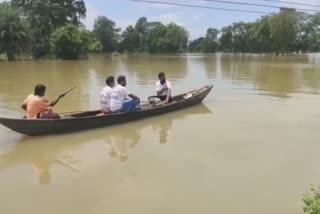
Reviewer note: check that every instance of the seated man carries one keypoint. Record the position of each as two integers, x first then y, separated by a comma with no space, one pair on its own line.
121,100
163,88
37,107
105,95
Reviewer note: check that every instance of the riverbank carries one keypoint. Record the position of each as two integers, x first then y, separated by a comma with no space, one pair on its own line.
22,57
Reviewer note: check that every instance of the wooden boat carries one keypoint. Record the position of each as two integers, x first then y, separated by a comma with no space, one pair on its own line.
72,122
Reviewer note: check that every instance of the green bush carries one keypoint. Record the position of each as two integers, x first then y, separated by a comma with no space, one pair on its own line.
95,47
312,201
67,43
15,35
90,41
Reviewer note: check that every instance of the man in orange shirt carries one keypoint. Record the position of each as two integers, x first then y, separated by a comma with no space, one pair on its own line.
37,107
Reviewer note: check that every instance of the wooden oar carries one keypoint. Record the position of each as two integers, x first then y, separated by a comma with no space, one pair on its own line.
55,101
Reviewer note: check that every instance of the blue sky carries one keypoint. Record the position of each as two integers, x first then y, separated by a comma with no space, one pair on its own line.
195,20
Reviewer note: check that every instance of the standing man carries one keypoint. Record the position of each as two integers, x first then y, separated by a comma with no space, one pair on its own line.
163,88
105,95
121,100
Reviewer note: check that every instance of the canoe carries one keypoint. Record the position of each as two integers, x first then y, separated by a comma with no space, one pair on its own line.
72,122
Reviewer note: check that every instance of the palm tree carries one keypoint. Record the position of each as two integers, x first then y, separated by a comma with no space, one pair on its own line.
14,31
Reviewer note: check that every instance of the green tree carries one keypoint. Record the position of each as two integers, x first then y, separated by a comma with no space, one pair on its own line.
142,28
178,38
210,43
68,42
196,45
169,38
310,34
57,12
284,26
243,39
14,31
45,16
90,42
106,32
226,39
130,40
314,38
261,30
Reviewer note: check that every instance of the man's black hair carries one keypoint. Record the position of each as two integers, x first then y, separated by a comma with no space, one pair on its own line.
110,80
39,90
121,78
161,74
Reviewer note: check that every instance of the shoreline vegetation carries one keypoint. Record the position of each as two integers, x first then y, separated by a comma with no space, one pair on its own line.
311,201
54,29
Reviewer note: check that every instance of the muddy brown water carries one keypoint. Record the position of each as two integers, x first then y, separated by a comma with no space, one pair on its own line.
252,146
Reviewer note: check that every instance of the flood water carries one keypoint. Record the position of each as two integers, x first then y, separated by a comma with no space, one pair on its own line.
252,147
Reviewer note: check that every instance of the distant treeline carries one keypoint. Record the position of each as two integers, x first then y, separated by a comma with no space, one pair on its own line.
286,31
54,28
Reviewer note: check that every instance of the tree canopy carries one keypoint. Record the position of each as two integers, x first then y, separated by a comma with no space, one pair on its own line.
45,16
15,34
72,42
107,33
154,37
286,31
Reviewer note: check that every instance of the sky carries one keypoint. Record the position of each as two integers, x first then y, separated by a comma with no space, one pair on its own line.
195,20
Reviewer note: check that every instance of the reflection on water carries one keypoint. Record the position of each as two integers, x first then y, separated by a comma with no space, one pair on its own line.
42,153
270,75
162,128
120,143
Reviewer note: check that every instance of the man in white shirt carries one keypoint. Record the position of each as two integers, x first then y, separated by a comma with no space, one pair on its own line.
105,95
121,100
163,88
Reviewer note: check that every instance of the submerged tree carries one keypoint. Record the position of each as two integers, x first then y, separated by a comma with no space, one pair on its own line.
196,45
90,41
107,33
226,39
261,30
207,44
130,40
142,28
45,16
169,38
14,31
284,27
210,44
67,43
